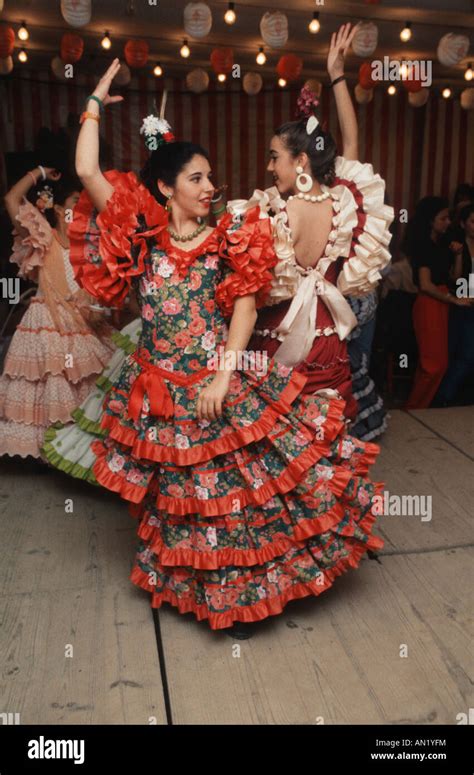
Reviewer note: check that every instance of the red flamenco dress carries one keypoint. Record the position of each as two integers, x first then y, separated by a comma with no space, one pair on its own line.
236,516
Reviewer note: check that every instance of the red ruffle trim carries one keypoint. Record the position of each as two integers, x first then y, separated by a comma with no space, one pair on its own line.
119,242
264,608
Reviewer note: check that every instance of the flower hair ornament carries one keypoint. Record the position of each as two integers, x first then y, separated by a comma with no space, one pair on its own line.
45,200
156,129
306,103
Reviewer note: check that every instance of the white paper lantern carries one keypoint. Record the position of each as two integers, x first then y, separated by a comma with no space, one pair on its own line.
363,96
274,29
197,20
467,99
252,83
314,85
123,76
418,98
6,65
197,80
365,39
452,48
1,9
57,66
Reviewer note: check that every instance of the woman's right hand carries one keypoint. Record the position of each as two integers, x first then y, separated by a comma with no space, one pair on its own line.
52,173
102,89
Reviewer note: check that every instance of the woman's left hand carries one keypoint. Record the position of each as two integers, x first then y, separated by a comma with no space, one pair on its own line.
340,43
209,404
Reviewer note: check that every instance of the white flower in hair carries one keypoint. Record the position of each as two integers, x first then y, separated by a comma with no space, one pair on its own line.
152,125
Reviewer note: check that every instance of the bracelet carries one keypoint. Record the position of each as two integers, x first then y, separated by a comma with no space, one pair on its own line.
86,114
43,173
219,211
337,80
97,99
32,177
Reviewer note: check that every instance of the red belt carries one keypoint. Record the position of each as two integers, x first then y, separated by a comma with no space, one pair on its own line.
152,382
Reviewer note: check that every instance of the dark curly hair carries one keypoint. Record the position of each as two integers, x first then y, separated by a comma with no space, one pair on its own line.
62,189
166,163
322,160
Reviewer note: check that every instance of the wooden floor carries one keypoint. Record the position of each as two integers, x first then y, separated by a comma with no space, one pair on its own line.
80,644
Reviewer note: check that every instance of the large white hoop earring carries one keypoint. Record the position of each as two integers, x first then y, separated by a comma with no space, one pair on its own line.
304,182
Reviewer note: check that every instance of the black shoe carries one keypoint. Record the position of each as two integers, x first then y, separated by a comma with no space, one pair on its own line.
240,630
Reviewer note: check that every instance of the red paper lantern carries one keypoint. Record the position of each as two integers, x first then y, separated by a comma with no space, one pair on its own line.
222,60
136,53
412,84
72,48
289,67
7,42
365,76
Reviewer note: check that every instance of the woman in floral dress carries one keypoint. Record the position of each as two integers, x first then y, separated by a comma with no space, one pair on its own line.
247,493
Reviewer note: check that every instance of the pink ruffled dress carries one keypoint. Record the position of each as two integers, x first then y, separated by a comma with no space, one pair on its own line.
54,356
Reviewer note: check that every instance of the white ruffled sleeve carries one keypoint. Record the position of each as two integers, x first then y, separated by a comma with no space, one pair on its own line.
29,250
363,223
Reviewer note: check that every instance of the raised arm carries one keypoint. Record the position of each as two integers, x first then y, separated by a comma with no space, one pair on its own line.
338,48
14,197
87,149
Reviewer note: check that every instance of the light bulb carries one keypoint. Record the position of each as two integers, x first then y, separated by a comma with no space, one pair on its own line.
405,34
185,50
403,72
391,89
158,70
261,58
22,55
469,75
230,15
221,77
23,33
106,42
446,93
314,25
281,82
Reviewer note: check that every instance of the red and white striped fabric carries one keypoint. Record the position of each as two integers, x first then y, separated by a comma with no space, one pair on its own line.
418,151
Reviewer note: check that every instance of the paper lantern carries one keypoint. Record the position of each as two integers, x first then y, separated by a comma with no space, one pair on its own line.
7,42
72,48
252,83
197,20
467,99
6,65
363,96
57,66
136,53
365,39
197,80
1,6
274,29
77,13
419,98
123,76
365,76
315,86
452,48
412,85
222,60
289,67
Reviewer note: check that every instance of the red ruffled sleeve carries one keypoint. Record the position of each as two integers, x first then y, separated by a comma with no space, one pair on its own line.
108,249
248,258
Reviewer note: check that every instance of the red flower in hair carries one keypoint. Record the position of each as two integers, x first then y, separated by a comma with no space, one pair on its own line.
306,102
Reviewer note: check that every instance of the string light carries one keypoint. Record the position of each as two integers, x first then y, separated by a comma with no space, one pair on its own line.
22,55
403,71
406,33
230,16
446,93
314,25
261,58
158,70
185,50
391,90
106,43
281,82
23,33
469,75
221,77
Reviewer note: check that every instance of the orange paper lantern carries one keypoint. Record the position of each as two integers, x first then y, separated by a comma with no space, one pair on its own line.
7,42
222,60
289,67
365,76
411,85
72,48
136,53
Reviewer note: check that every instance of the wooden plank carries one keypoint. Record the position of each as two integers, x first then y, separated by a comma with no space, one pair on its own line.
456,424
415,461
336,659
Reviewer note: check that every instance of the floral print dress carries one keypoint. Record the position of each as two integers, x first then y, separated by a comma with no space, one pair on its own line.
239,515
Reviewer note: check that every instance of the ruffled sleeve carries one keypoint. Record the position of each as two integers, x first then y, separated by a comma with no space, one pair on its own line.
29,251
248,257
108,249
361,234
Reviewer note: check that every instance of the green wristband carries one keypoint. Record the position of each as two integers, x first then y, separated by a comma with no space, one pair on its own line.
97,99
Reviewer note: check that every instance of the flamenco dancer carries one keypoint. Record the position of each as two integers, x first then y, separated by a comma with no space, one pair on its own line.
331,233
248,494
61,344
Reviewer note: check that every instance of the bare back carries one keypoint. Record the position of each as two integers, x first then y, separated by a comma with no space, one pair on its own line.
310,224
